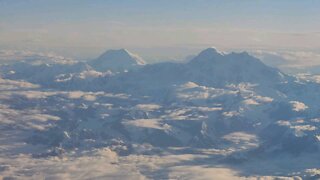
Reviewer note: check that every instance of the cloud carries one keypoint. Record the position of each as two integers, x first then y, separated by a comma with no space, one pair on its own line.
298,127
6,84
13,56
298,106
147,123
189,172
291,59
147,107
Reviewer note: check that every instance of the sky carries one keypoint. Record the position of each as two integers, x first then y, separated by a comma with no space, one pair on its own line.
166,29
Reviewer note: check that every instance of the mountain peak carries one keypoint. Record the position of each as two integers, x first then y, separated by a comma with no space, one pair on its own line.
122,54
211,51
119,51
119,60
208,55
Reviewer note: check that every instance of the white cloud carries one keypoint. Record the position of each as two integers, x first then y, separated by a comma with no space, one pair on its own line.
147,107
230,113
6,84
148,123
13,56
298,106
250,102
298,127
289,58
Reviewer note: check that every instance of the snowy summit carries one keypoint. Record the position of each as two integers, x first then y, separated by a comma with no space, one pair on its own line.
117,60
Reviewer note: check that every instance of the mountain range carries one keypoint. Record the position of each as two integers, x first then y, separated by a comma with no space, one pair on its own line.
229,101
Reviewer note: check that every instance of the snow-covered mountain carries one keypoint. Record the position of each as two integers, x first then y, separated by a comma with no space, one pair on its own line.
210,68
117,60
233,68
228,106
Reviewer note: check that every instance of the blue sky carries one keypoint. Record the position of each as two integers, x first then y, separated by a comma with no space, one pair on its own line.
161,29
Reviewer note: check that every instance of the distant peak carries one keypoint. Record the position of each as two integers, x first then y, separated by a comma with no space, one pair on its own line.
210,52
116,51
122,54
213,49
117,60
123,50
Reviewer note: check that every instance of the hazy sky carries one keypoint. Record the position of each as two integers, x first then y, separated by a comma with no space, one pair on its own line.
158,28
